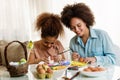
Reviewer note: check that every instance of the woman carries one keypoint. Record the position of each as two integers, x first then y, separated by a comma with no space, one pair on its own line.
48,47
93,45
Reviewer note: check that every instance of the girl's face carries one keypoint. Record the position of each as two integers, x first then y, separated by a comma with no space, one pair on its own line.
78,26
49,41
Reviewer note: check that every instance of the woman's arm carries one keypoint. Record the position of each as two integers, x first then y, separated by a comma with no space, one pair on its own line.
109,54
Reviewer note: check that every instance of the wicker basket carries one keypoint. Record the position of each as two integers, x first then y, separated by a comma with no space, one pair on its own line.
18,70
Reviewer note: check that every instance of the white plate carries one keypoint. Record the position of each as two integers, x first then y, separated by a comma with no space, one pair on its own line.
94,74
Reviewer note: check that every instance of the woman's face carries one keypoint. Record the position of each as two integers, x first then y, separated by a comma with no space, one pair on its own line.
78,26
49,41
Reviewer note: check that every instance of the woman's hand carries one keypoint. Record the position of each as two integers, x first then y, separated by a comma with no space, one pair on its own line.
90,59
75,56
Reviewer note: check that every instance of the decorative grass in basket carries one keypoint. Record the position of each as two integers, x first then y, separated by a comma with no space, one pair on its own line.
16,70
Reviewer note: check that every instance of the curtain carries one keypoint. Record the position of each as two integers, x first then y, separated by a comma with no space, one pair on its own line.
17,18
15,21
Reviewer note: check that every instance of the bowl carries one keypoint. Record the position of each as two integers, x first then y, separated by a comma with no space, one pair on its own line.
94,73
59,73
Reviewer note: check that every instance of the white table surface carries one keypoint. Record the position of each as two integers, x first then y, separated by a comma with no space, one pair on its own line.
113,73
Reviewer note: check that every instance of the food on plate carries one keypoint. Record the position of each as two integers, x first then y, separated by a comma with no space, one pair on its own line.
44,71
76,63
93,69
58,67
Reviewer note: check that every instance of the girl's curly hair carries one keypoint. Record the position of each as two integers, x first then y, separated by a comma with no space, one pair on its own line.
49,24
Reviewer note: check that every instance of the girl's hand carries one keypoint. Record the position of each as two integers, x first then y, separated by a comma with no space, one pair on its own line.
44,60
75,56
57,58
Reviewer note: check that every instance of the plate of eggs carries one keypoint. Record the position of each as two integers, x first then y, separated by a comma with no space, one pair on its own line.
94,71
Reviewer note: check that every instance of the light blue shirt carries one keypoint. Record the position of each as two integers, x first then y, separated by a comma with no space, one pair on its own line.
98,45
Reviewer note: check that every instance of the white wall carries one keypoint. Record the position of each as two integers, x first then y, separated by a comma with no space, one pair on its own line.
106,16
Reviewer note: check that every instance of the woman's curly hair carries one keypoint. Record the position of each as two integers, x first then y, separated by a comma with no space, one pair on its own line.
49,24
79,10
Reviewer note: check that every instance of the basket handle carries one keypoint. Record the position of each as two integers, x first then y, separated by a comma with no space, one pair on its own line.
5,51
